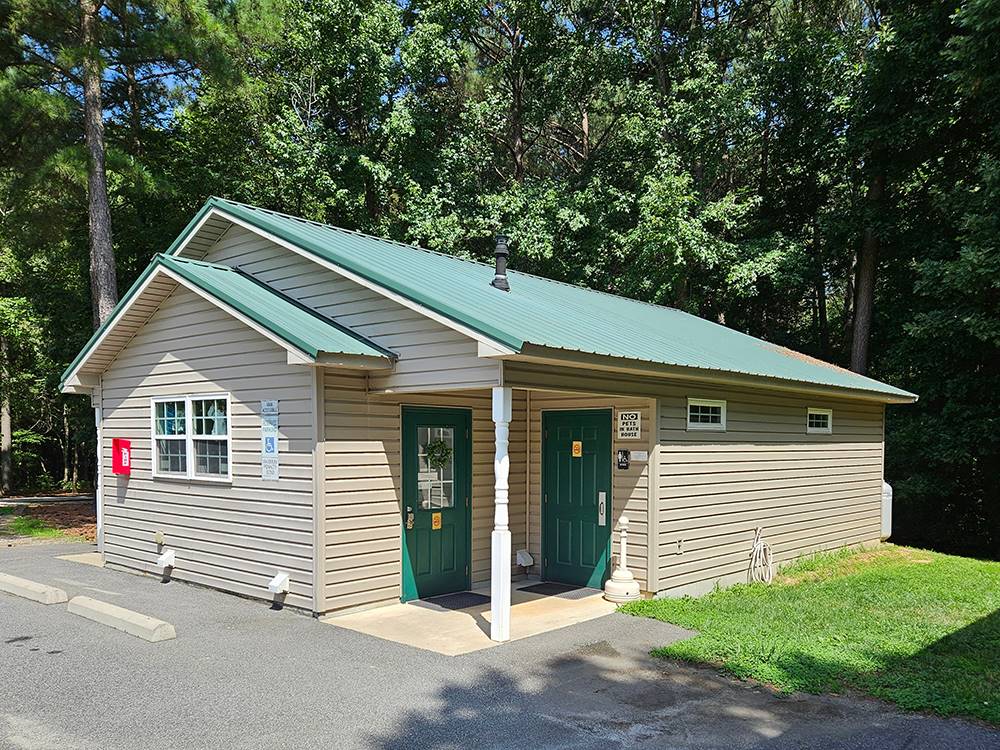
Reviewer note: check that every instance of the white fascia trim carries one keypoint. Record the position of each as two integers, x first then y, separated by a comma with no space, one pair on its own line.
197,228
296,355
388,293
493,350
72,378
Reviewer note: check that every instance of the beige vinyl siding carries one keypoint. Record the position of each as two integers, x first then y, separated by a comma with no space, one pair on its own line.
807,491
231,536
431,356
629,488
363,487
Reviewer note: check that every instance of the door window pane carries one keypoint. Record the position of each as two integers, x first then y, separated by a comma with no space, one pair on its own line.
436,467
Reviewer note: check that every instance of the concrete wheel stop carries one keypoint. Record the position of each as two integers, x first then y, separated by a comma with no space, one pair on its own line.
141,626
36,592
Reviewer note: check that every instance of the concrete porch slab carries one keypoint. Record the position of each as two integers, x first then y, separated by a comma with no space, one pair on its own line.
87,558
461,631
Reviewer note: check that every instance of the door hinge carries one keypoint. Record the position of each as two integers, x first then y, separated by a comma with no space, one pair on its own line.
466,570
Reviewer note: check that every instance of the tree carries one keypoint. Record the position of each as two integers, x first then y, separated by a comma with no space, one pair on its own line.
109,58
819,173
6,424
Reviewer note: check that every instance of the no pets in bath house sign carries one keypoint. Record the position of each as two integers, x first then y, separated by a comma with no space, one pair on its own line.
629,425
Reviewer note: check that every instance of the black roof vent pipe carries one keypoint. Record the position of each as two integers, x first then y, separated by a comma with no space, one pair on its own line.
500,278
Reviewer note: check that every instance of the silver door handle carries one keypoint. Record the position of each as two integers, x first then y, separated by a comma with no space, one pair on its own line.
602,508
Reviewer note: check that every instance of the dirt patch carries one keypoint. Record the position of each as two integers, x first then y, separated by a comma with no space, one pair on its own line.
856,562
73,519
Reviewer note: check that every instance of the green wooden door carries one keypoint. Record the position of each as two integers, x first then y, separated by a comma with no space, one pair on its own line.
576,483
437,473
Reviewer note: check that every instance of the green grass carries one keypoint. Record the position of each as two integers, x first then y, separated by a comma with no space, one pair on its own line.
36,527
917,628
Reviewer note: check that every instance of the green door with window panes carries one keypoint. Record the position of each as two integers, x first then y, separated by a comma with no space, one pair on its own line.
437,485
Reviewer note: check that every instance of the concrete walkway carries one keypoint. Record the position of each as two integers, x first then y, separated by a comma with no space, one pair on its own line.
240,675
461,631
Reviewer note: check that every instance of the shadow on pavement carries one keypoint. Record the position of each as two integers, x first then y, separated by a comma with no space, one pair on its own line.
596,696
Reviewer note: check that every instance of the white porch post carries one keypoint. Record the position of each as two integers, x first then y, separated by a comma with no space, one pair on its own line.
500,547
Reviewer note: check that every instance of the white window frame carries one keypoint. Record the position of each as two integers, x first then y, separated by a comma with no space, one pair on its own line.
819,430
701,425
189,437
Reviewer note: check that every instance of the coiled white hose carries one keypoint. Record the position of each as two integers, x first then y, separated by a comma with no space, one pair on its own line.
761,562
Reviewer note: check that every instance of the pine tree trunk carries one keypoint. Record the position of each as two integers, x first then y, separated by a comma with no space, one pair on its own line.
6,424
864,281
66,445
823,322
103,279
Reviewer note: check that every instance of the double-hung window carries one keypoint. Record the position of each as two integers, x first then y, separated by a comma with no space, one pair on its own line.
706,414
192,437
819,421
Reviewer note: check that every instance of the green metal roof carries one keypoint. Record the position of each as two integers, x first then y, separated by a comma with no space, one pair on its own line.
288,320
544,312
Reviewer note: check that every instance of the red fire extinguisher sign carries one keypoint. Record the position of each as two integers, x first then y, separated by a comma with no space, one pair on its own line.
121,456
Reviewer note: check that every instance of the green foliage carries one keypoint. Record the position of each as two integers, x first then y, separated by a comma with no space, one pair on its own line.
917,628
34,527
714,158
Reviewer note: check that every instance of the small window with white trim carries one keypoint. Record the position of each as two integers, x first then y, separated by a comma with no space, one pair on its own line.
192,437
819,420
706,414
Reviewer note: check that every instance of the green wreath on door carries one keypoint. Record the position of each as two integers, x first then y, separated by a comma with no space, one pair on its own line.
439,453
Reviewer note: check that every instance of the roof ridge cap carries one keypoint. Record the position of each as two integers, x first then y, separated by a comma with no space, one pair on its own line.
334,227
413,246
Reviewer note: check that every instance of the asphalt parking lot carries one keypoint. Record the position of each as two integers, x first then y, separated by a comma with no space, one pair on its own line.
240,675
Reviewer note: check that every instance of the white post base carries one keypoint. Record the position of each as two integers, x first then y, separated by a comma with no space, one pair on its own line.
621,587
500,586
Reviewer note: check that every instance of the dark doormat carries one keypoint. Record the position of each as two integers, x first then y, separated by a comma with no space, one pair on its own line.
562,590
458,600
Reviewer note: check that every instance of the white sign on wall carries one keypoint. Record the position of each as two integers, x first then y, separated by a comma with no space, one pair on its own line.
629,427
269,440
